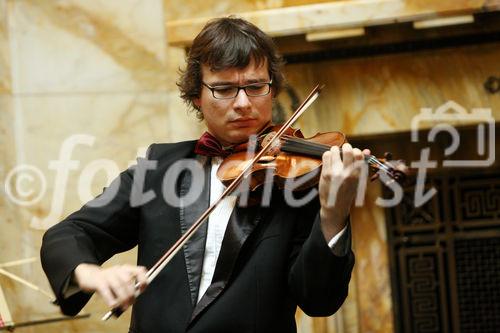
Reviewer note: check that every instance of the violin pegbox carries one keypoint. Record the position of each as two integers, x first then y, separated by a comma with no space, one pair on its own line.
397,170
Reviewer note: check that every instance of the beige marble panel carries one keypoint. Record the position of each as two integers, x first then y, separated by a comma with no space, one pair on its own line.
11,236
383,93
7,157
5,77
182,122
116,125
121,124
27,305
19,241
374,301
6,131
87,46
6,154
177,9
176,59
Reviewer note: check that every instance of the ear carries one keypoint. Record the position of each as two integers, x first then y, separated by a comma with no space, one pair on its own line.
197,102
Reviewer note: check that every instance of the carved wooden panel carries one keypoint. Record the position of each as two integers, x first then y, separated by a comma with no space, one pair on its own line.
446,255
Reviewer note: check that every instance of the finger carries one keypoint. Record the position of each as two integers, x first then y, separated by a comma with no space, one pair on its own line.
358,154
138,274
128,280
336,159
347,155
120,291
367,152
141,277
327,162
358,163
107,295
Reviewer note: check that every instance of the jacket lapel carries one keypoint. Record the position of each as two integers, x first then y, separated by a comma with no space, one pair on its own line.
242,222
194,249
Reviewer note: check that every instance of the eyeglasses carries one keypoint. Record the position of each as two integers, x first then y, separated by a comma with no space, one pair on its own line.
252,90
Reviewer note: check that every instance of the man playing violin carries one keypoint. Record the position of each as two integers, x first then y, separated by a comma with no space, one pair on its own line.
248,268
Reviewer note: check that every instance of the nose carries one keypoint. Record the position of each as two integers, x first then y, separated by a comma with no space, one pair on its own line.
242,102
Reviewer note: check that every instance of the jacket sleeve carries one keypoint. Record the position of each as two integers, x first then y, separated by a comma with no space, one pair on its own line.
319,275
103,227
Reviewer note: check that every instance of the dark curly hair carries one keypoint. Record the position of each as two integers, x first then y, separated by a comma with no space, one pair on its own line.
228,42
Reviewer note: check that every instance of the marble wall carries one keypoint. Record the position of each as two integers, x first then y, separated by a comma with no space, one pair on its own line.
103,70
5,76
96,75
213,8
381,94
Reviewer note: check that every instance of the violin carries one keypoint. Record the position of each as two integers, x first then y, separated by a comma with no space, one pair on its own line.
284,147
294,157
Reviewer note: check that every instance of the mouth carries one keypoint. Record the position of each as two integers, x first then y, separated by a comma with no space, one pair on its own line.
243,122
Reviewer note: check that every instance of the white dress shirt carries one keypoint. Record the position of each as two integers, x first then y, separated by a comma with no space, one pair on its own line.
217,223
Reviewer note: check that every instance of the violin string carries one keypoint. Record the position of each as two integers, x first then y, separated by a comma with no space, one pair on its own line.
305,142
300,145
292,143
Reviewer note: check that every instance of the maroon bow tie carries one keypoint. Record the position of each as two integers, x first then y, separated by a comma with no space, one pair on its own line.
208,145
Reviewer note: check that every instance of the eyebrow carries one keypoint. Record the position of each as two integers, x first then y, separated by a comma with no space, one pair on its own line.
229,83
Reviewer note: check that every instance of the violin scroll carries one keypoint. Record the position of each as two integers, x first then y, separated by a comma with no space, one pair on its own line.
397,170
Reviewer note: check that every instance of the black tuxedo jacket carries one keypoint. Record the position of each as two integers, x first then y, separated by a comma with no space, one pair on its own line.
272,258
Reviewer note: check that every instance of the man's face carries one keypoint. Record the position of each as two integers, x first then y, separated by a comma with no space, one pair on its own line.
233,120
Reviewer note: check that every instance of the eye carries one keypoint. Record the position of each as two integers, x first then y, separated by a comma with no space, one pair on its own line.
256,86
224,90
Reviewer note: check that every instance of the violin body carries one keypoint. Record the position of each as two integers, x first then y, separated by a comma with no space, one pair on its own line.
277,165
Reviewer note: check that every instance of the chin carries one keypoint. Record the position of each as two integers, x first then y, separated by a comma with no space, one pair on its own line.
244,137
237,140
